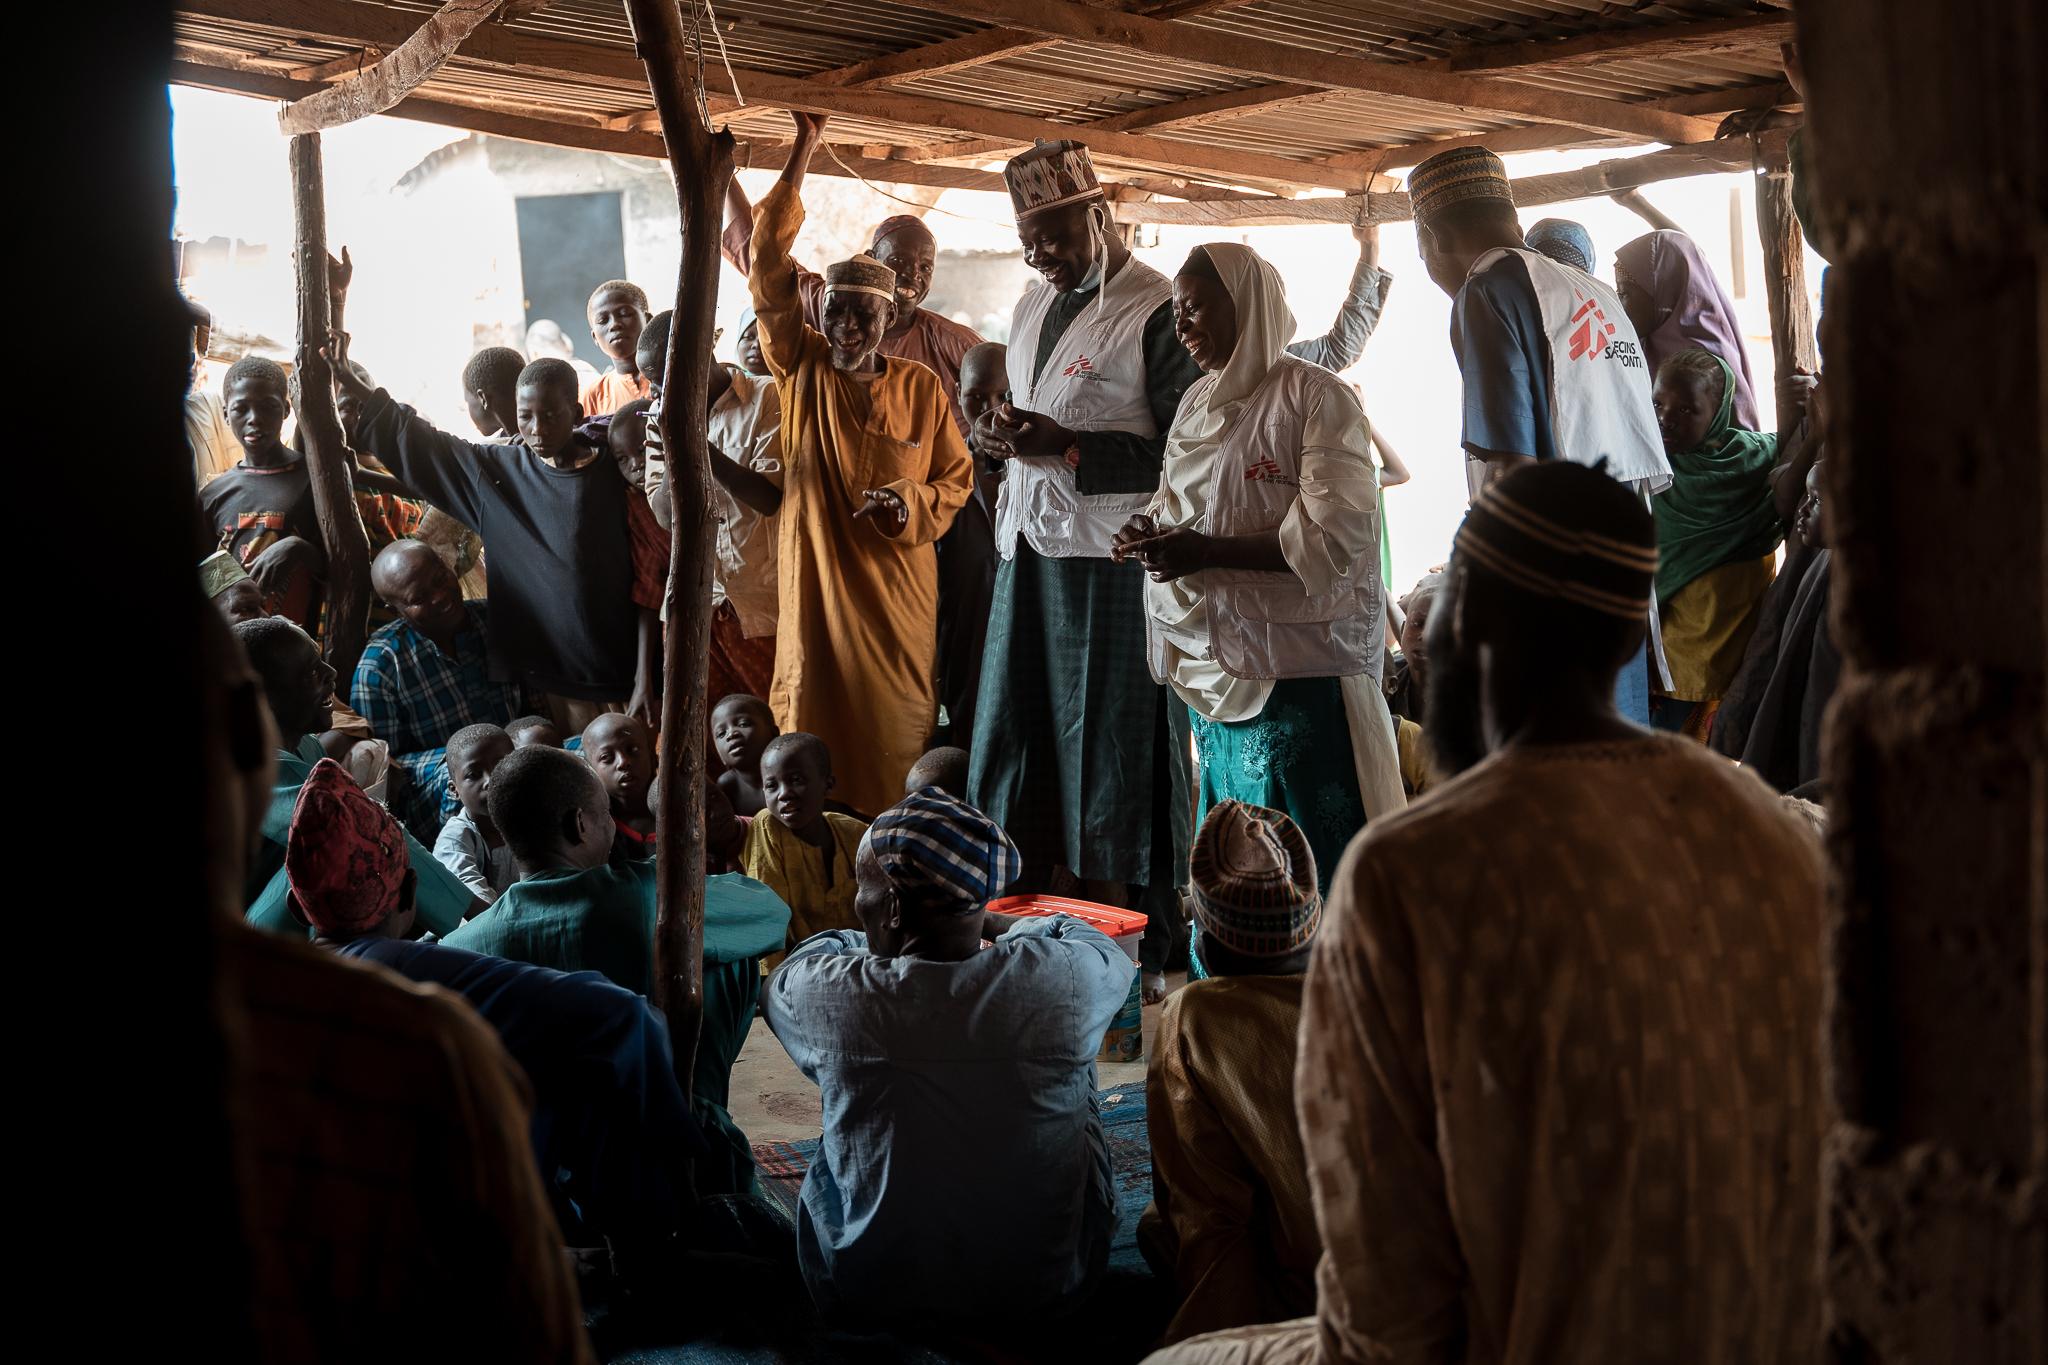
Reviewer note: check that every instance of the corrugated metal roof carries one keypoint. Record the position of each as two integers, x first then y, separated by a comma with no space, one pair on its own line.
1064,83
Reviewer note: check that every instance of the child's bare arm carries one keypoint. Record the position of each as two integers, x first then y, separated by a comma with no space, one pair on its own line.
750,486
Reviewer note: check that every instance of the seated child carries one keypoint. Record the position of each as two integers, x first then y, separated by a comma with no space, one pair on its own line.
470,845
800,850
236,596
261,511
944,767
741,727
534,730
618,313
620,749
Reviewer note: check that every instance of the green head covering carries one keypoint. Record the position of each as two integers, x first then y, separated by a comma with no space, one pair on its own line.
1718,509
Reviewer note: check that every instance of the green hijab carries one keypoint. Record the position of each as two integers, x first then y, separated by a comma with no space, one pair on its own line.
1718,509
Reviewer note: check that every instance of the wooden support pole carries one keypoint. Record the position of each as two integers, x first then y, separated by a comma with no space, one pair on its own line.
701,163
1792,341
327,464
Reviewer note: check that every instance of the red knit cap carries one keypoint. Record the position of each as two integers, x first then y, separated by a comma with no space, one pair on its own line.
345,856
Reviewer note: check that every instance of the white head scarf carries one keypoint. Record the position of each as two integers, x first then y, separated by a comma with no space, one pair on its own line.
1264,327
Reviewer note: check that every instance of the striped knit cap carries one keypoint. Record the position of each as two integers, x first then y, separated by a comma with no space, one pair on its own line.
1607,572
942,854
1252,879
1455,177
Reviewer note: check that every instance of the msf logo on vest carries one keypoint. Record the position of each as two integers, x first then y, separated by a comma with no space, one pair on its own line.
1083,368
1591,337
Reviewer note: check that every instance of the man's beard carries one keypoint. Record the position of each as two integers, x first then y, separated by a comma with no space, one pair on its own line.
1455,732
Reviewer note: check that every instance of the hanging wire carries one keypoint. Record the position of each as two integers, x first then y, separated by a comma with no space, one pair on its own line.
911,203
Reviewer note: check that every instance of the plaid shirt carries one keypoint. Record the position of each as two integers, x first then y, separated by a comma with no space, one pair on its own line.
415,697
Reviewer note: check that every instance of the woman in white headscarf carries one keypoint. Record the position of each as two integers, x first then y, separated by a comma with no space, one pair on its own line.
1263,598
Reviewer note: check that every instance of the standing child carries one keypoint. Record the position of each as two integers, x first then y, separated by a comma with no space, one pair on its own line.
741,727
490,384
470,845
552,511
618,312
261,511
620,749
800,850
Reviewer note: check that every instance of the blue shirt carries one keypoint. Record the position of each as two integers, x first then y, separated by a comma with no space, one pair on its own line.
414,697
1504,355
610,1128
963,1171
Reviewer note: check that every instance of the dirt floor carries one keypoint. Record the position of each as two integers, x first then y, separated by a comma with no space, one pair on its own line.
772,1102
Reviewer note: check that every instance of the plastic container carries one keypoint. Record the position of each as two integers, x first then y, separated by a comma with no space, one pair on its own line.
1124,1040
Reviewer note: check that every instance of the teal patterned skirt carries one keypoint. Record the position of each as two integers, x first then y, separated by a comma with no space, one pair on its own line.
1294,756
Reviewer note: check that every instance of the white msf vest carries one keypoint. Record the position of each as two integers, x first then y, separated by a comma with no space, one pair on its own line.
1266,625
1093,379
1600,379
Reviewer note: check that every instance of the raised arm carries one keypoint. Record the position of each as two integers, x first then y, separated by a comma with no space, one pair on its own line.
1340,347
443,469
1633,201
772,280
1393,470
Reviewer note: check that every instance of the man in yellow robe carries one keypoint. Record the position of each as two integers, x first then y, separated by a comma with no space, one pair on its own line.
872,471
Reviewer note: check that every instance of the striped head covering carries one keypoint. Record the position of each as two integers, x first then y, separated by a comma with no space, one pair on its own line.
943,854
1458,176
1252,881
1607,573
1563,241
863,274
1051,175
344,856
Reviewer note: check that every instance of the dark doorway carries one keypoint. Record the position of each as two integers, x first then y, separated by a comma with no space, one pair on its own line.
569,244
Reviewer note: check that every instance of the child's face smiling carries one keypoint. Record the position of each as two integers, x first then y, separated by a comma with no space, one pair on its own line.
619,748
794,784
471,773
255,411
547,417
741,730
615,324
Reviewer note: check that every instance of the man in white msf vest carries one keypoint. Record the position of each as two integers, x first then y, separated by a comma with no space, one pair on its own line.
1078,754
1552,366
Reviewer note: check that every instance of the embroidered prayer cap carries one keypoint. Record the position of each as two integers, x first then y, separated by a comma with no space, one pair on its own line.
1252,881
1515,532
1050,175
1459,176
943,854
863,274
1563,241
345,856
218,572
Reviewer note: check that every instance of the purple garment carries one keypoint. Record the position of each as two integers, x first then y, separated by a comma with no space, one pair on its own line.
1668,267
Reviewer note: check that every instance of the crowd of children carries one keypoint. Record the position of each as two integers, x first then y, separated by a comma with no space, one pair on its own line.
873,792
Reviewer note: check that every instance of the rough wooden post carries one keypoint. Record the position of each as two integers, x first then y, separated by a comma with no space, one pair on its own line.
701,164
1925,145
1792,343
334,502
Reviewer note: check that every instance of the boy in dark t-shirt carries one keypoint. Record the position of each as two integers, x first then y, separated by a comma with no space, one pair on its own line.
261,511
552,512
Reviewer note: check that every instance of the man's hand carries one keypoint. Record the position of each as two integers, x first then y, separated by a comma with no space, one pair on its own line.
277,566
335,353
809,127
645,703
1368,235
339,272
1173,553
1136,532
884,510
1012,433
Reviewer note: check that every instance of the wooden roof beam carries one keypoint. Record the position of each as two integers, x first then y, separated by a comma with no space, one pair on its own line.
1588,182
1281,62
1217,108
1536,137
397,74
1769,95
1697,38
335,67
